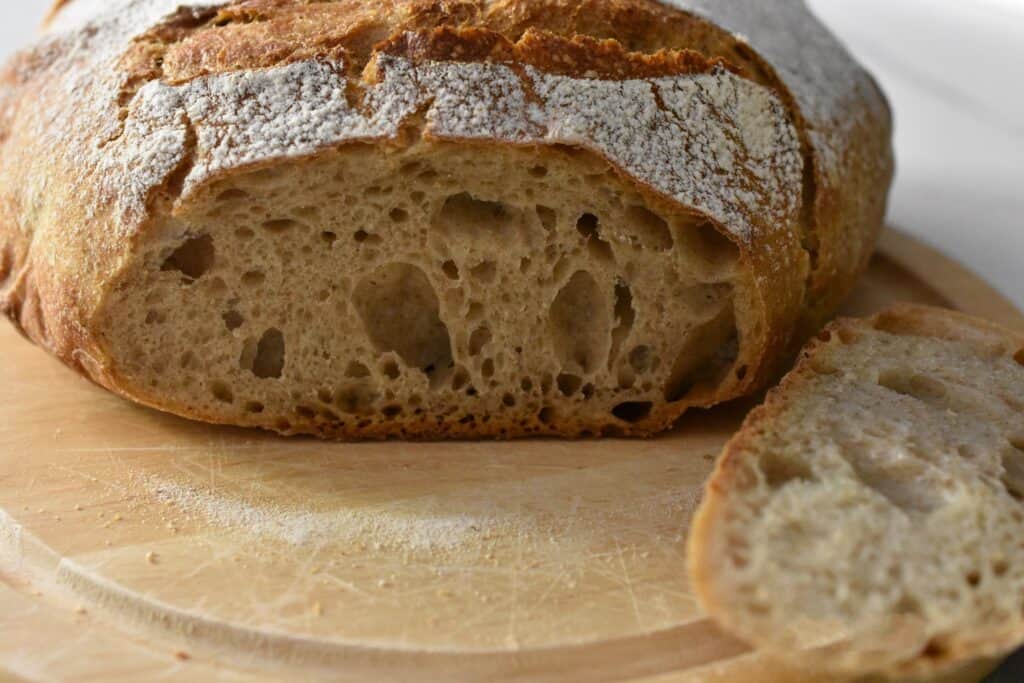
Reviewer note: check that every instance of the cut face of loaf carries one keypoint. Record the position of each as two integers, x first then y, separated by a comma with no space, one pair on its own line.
868,518
438,289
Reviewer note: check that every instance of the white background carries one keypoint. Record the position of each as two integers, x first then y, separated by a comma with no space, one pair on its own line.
954,71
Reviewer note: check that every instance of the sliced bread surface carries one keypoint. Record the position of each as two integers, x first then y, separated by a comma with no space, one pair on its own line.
869,517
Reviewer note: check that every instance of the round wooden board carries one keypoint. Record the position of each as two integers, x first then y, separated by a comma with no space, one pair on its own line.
138,546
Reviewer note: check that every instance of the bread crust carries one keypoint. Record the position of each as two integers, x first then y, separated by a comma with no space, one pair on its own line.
67,231
707,547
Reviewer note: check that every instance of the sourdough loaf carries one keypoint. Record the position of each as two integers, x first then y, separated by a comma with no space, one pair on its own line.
868,517
417,218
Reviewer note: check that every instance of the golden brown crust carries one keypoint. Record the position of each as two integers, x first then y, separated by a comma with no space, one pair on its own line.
614,39
706,545
579,56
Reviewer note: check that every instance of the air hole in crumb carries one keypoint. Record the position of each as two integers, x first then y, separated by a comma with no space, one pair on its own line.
539,171
716,251
193,259
155,318
477,219
282,425
418,197
363,237
526,384
1019,357
1000,568
222,392
329,237
451,270
524,264
921,387
580,324
476,312
233,320
906,483
779,469
268,362
325,396
508,400
487,369
741,373
390,369
399,215
587,225
625,316
253,407
401,313
588,391
974,579
706,353
546,383
392,411
935,649
478,340
244,233
569,384
232,194
357,370
546,415
305,412
641,359
485,272
1013,469
633,411
279,225
254,278
548,217
460,379
649,229
354,399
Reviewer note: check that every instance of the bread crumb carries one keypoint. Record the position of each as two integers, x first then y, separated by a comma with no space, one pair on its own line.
152,558
317,609
80,610
182,656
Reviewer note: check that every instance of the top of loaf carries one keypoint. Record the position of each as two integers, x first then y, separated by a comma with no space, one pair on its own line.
167,95
658,130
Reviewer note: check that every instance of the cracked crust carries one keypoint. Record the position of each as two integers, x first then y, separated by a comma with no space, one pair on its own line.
153,53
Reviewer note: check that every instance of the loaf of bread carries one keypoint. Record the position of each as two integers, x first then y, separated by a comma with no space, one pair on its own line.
426,218
868,518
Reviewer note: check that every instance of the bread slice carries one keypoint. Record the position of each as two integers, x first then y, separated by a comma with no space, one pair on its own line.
869,517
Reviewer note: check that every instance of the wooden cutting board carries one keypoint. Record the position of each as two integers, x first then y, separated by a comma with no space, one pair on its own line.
138,546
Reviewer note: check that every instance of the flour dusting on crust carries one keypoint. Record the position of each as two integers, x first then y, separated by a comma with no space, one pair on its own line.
715,142
827,85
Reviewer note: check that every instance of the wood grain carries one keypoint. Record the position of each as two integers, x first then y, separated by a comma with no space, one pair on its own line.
138,546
